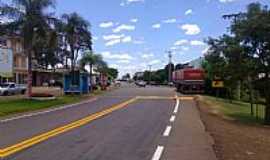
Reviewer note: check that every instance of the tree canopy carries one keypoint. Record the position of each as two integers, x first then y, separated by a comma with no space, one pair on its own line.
243,55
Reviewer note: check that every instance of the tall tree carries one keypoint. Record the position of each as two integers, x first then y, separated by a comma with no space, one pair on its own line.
28,19
113,73
91,59
47,50
252,29
77,36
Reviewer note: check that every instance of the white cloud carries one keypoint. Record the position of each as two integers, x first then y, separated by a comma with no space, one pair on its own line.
134,20
109,55
113,36
146,56
172,20
134,1
184,48
188,12
126,2
124,61
191,29
122,4
112,42
127,39
226,1
114,39
6,20
156,26
138,42
154,62
197,43
205,50
180,42
106,24
124,27
95,38
173,48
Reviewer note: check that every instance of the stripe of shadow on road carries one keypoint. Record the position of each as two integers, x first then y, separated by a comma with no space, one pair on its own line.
45,136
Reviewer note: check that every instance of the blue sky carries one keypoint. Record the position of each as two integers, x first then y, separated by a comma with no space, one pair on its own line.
132,34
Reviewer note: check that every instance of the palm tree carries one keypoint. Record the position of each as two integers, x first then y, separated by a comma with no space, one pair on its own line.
92,60
77,36
28,19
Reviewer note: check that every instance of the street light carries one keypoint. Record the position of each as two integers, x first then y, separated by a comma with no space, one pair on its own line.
149,80
170,66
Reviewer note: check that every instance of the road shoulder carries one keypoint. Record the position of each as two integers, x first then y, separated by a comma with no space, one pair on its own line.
189,140
235,140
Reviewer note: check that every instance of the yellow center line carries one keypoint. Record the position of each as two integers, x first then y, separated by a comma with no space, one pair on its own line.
45,136
186,98
40,138
154,97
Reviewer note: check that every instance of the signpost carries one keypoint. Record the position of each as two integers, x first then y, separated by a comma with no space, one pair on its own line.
217,84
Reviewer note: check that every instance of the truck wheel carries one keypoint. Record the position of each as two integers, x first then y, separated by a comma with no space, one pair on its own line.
23,92
5,93
178,88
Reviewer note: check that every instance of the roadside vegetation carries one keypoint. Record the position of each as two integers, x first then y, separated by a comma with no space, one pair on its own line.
50,41
241,59
237,134
13,105
234,110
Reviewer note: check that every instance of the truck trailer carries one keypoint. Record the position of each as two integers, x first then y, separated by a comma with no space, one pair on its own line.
189,80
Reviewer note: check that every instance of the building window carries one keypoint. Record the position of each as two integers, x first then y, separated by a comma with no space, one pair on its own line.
16,62
3,42
18,47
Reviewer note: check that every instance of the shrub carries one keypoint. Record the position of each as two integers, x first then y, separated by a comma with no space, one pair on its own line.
41,95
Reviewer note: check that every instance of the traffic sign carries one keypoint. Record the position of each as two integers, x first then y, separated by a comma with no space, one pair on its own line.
217,84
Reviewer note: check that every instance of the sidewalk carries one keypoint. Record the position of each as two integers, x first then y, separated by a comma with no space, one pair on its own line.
189,140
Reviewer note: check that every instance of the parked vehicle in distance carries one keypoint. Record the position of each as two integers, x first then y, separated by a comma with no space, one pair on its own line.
12,89
170,84
140,83
117,83
189,80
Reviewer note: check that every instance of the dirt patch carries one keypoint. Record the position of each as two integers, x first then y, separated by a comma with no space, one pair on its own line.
235,140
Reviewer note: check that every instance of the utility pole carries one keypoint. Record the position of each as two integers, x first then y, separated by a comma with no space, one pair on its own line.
150,67
170,66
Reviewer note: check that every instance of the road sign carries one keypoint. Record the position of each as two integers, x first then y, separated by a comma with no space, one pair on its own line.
6,62
217,84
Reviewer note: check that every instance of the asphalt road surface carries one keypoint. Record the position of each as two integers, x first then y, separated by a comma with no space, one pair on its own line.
129,123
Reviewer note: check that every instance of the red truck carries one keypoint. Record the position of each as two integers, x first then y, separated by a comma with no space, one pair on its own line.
189,80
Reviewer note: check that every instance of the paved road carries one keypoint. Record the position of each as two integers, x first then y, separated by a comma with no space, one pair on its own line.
139,130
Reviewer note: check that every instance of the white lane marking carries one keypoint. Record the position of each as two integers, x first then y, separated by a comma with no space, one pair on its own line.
176,106
158,153
46,111
172,119
167,131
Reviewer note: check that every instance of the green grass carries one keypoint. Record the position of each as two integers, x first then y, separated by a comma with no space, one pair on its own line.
237,110
8,107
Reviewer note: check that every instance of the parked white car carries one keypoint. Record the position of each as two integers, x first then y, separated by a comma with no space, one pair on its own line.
11,89
140,83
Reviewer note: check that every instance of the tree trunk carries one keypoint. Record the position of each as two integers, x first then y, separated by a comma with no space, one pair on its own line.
29,75
251,95
72,66
91,85
267,111
267,100
66,62
238,91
